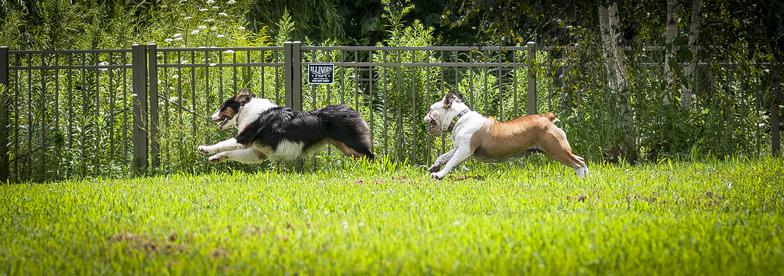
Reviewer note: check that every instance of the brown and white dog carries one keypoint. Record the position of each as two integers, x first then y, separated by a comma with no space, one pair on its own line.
491,141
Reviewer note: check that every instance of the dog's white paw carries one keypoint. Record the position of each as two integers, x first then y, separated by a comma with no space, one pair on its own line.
436,176
433,169
218,158
206,149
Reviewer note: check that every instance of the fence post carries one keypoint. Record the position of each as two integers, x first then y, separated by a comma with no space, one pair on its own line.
139,67
292,74
292,69
4,163
155,149
531,77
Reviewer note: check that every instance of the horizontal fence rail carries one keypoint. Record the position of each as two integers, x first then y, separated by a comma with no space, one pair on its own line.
123,112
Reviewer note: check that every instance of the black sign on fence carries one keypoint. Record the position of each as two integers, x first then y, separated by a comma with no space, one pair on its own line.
321,73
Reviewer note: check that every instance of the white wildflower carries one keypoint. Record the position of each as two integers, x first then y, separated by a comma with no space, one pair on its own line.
177,38
345,225
241,28
168,40
221,36
202,27
213,28
174,99
203,9
196,31
210,2
223,14
231,2
228,52
177,35
187,18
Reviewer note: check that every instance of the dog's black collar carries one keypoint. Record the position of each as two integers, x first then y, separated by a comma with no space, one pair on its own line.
457,118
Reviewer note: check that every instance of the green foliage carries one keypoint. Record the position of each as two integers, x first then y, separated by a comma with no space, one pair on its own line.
668,218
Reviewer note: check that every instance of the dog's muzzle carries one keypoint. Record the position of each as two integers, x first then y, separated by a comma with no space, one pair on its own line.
432,125
219,119
223,123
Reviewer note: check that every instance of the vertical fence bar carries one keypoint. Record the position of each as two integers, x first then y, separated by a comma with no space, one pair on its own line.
288,48
4,163
207,103
43,124
97,107
138,60
292,71
531,77
775,132
69,144
29,120
155,148
111,107
296,84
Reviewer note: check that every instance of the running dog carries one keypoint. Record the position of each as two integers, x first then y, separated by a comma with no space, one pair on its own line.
267,131
491,141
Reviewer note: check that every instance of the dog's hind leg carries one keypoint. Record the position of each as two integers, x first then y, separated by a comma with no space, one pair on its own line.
225,145
246,156
561,152
356,150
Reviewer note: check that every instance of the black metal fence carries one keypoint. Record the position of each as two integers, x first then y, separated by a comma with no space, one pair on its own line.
119,112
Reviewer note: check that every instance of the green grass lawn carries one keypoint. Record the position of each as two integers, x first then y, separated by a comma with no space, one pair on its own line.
683,218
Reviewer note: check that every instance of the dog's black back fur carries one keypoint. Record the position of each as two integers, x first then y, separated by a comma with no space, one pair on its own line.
336,122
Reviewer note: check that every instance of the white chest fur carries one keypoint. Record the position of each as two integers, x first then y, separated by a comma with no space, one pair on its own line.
469,124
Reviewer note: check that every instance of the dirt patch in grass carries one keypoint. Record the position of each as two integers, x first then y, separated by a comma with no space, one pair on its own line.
653,198
148,245
469,177
577,198
218,253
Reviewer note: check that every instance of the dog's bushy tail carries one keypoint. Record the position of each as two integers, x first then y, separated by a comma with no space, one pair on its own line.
550,116
346,126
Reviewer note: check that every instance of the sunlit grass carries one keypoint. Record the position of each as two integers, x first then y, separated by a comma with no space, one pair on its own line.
685,218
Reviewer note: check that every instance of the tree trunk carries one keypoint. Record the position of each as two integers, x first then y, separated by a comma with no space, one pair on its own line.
670,61
689,71
617,79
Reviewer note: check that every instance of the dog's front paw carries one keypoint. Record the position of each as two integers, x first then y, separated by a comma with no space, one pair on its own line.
436,176
433,169
205,149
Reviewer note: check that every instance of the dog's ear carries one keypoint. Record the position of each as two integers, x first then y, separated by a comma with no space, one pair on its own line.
459,96
452,97
244,96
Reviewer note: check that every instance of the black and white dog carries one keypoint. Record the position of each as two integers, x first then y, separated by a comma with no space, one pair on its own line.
267,131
